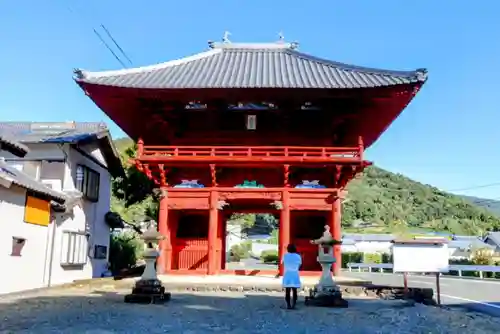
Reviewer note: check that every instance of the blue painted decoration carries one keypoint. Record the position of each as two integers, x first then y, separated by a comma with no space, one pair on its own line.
310,184
189,184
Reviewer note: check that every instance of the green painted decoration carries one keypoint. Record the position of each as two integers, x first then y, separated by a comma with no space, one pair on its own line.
249,184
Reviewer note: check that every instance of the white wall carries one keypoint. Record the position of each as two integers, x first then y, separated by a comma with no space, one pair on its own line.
373,246
258,248
66,274
87,217
349,248
93,219
27,271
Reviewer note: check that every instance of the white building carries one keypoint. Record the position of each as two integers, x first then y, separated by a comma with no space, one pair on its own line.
71,165
367,243
460,247
493,239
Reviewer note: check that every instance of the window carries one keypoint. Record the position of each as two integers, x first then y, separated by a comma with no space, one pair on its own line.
100,252
36,211
87,181
17,246
251,122
74,248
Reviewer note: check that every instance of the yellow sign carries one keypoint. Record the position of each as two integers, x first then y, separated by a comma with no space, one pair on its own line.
37,211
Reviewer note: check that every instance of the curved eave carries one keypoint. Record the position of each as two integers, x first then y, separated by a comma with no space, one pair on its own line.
13,146
240,68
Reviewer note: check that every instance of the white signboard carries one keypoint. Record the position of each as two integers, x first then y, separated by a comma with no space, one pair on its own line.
420,258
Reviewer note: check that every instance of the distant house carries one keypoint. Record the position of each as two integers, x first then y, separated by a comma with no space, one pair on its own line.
57,206
493,239
461,247
367,243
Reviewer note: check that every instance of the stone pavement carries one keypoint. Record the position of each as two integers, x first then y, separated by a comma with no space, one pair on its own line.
248,280
220,282
83,310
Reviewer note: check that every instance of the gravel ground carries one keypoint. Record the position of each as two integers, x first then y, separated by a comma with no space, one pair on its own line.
83,311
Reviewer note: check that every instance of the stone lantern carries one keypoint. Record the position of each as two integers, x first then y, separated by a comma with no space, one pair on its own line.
326,292
149,289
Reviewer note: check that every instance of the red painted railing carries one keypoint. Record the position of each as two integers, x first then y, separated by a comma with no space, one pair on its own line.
250,152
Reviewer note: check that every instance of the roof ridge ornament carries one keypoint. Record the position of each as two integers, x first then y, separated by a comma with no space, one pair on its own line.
294,45
281,37
422,74
225,37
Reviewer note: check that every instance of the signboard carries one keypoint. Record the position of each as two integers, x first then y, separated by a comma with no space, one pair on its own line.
420,256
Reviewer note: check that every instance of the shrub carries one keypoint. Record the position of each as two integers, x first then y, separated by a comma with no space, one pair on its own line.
353,257
482,257
246,245
269,256
273,240
238,252
386,258
124,250
372,258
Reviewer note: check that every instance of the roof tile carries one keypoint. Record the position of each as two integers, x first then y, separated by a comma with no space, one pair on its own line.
25,181
252,66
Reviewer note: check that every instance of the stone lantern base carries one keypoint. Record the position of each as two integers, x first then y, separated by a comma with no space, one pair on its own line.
149,289
148,292
326,293
326,297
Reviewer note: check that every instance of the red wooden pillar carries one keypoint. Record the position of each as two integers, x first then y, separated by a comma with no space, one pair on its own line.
335,227
164,261
212,232
284,232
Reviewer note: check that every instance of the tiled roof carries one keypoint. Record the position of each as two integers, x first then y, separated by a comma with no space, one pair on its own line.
8,143
369,237
274,65
473,243
40,132
495,237
65,132
23,180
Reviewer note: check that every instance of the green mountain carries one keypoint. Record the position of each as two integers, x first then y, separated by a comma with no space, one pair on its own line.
489,204
385,200
379,201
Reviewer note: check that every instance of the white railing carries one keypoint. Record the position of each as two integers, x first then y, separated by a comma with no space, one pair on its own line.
453,267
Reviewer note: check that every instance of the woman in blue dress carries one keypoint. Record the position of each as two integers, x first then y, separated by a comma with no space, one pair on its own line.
291,279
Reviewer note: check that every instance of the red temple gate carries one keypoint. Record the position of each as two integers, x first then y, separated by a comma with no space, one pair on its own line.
249,128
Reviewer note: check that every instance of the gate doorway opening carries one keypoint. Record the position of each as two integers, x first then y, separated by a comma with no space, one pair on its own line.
243,232
252,241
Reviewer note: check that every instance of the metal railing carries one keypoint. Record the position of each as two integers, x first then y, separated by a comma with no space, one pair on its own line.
460,269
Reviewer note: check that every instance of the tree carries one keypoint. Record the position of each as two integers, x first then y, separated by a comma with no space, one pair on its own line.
246,221
133,197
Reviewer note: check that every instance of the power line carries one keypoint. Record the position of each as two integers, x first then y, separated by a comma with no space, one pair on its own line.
109,49
451,191
116,43
477,187
70,9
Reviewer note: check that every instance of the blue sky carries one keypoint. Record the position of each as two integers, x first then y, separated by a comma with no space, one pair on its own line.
447,137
